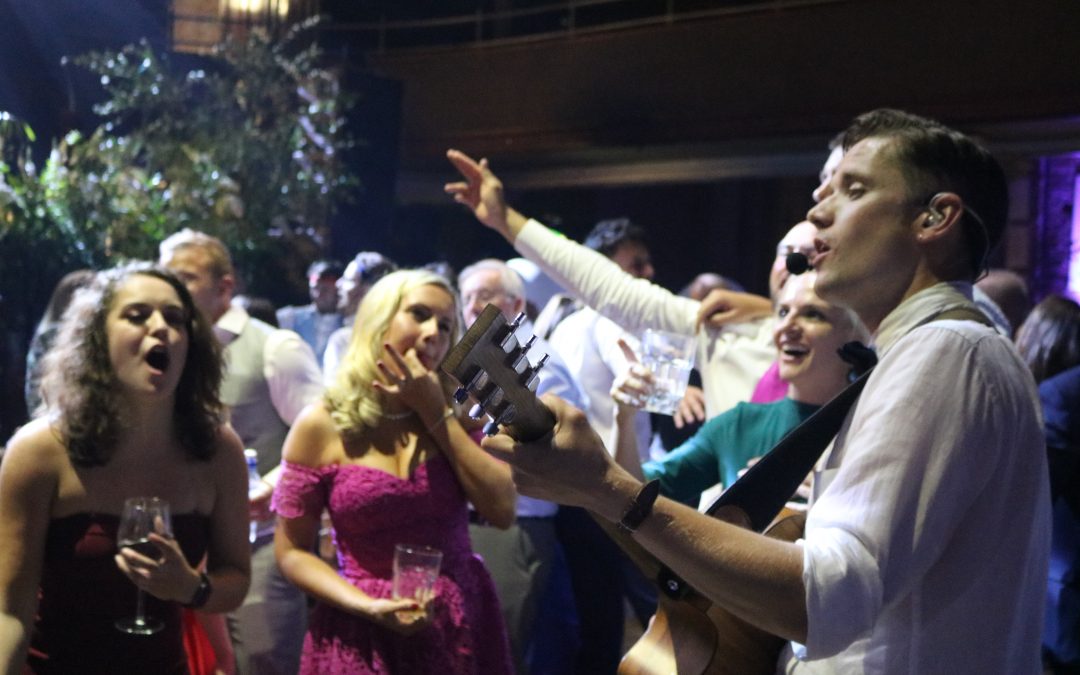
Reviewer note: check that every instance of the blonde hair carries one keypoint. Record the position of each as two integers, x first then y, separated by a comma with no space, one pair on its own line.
856,328
353,403
220,261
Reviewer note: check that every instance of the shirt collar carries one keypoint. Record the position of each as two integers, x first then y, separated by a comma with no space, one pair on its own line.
230,324
920,308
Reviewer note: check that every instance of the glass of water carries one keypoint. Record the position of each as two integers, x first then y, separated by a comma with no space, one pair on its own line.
416,568
670,358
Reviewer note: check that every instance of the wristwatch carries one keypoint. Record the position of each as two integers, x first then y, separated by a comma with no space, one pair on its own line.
202,592
640,507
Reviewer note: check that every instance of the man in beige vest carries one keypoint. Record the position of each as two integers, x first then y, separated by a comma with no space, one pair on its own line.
271,375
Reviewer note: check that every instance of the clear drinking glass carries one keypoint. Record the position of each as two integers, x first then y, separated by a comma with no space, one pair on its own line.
142,515
416,568
670,358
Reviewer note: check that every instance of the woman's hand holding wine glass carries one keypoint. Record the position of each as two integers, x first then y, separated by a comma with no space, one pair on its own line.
151,559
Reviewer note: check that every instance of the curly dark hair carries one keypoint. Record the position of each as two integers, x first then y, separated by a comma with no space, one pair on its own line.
79,386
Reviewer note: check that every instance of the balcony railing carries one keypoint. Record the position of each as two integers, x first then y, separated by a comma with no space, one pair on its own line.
552,20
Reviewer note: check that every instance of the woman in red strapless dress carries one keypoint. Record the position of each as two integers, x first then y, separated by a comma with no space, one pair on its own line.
130,390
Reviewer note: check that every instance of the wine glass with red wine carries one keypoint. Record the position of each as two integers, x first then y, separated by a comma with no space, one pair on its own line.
142,515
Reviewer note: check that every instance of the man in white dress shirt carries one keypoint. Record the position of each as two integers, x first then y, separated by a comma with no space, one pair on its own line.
526,560
927,538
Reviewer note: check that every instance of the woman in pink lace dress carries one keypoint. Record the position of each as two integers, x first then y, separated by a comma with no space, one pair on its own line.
385,454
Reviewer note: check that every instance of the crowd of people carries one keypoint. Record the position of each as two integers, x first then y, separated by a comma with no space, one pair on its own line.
942,523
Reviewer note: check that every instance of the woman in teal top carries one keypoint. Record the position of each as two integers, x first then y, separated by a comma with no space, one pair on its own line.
808,333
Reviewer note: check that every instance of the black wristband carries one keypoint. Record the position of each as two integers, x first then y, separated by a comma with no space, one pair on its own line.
640,507
202,592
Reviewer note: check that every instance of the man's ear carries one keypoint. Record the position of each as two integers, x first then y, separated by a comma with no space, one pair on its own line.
227,286
519,306
939,217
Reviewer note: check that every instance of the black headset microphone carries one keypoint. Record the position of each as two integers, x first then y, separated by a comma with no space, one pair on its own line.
797,263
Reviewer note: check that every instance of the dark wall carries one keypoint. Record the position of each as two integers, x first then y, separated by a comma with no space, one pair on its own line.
803,70
730,227
364,220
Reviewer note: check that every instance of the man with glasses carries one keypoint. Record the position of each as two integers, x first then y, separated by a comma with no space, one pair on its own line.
526,560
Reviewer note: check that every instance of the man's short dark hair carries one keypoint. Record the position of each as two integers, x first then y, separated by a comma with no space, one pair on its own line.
607,235
372,266
935,158
325,268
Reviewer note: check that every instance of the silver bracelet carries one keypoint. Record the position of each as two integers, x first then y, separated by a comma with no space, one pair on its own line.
447,414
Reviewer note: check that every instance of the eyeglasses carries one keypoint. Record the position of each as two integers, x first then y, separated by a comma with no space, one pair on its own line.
484,296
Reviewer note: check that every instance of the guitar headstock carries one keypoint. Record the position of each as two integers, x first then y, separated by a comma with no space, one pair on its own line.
492,365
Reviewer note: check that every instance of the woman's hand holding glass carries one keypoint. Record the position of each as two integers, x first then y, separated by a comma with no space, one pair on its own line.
159,567
405,615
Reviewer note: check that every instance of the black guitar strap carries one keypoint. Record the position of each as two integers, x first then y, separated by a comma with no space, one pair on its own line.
763,490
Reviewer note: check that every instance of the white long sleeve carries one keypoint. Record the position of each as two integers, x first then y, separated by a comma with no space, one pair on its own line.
731,360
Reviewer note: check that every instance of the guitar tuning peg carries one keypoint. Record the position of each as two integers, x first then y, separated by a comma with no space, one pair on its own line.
476,412
507,415
533,380
477,381
517,321
460,395
491,428
520,364
528,345
510,342
493,400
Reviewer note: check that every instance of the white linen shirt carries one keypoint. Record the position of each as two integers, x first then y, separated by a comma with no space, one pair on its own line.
554,378
589,346
731,360
926,542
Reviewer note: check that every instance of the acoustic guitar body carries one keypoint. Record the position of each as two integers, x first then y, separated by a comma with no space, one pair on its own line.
692,636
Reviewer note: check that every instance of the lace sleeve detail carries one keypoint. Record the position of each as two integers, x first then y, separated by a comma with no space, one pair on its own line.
301,490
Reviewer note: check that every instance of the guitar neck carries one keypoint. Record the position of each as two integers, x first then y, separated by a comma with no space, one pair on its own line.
492,366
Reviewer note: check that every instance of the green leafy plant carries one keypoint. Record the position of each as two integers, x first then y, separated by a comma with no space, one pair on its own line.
248,147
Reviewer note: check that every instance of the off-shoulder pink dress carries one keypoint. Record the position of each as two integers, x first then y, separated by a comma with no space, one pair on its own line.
371,511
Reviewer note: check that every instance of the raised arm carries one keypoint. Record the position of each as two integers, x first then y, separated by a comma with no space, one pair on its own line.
634,304
482,193
28,481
